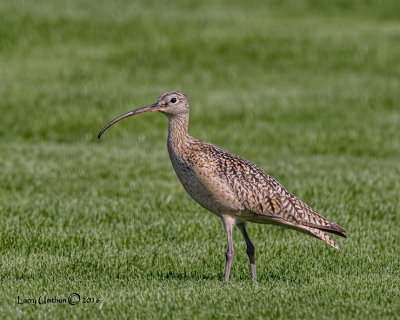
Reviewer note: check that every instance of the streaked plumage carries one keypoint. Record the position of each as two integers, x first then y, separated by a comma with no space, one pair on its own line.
231,187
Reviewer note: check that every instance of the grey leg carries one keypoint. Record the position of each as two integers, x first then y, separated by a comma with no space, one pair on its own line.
250,251
229,223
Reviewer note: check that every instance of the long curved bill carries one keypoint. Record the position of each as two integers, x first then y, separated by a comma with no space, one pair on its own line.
152,107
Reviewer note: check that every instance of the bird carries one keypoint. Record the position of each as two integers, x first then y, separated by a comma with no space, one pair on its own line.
234,189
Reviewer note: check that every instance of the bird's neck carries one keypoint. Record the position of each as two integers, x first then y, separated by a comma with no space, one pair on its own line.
178,136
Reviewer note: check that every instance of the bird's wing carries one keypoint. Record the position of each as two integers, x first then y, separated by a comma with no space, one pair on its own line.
264,196
293,209
286,209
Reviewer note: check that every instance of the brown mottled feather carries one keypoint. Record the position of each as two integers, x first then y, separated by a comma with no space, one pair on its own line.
256,192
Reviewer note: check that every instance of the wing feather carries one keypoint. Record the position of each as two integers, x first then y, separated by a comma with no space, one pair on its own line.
264,196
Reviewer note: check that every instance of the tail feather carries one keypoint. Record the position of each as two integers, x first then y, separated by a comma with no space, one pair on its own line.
332,228
317,233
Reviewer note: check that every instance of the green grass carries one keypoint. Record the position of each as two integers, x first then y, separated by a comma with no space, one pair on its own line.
308,90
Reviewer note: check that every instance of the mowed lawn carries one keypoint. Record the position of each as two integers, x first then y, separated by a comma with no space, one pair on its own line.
307,90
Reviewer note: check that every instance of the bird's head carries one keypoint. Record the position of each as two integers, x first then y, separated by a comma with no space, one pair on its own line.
173,103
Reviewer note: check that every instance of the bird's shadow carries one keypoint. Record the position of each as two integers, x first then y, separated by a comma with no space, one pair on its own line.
193,276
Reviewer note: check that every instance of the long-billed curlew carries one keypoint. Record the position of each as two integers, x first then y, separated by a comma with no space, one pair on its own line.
233,188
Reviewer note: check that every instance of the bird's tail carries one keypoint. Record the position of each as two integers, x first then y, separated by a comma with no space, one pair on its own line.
317,233
328,227
312,231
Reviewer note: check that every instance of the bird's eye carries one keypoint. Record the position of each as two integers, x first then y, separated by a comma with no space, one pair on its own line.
173,100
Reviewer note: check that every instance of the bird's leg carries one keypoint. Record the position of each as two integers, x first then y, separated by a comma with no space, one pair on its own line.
229,223
250,251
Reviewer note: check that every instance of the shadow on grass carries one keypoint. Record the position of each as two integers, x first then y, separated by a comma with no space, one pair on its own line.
196,276
170,275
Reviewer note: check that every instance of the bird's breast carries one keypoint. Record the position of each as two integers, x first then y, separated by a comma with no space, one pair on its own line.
199,180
